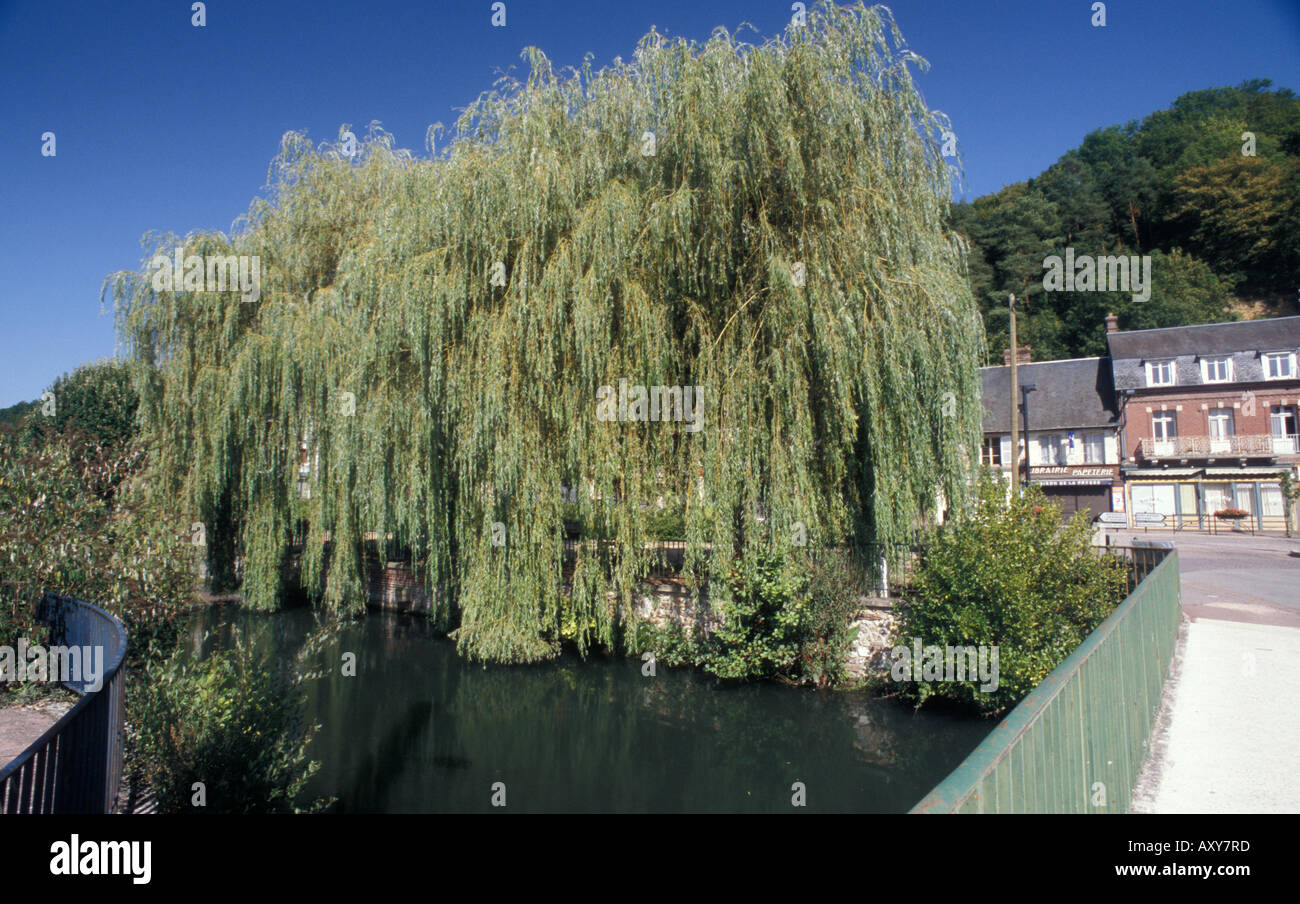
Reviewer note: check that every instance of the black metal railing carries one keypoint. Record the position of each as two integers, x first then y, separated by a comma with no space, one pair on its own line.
881,569
76,765
1141,558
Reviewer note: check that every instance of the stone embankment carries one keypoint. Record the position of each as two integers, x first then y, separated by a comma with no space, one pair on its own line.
869,653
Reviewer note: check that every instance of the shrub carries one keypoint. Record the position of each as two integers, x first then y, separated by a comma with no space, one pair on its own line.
1010,575
672,644
763,615
835,586
78,518
1290,492
667,523
781,619
96,400
233,721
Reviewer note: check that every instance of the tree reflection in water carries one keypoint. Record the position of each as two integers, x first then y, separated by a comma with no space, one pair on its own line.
419,729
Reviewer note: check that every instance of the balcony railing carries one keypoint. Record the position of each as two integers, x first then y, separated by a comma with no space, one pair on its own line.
1207,446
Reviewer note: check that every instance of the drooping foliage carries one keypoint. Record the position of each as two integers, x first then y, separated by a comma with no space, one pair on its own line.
764,222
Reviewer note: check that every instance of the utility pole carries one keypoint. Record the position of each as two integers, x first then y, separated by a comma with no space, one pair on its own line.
1015,397
1025,390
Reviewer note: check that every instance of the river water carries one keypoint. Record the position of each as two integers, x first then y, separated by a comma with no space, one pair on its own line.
420,730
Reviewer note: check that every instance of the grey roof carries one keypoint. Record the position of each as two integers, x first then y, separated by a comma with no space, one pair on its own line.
1073,393
1241,341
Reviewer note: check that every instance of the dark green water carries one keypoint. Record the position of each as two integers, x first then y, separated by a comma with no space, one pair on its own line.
419,730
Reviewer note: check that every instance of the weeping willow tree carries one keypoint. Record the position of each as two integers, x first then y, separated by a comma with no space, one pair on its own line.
765,222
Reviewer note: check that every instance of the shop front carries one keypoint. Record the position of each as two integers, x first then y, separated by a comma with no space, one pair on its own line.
1078,488
1190,498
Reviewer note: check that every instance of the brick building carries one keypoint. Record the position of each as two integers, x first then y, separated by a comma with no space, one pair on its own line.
1208,418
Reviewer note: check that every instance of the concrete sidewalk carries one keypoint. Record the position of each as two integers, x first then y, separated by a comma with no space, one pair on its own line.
19,726
1228,735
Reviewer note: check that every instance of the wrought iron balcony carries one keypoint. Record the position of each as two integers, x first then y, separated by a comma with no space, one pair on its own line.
1210,446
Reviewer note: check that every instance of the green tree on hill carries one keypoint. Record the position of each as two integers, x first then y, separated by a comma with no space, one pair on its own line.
17,411
1175,185
97,400
1239,213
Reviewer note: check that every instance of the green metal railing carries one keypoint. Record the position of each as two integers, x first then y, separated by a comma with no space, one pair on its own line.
1075,744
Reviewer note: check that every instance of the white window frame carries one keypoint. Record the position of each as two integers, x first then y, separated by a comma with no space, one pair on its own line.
1164,417
1284,441
1288,357
1094,448
1280,414
1051,441
1221,424
1207,364
1173,372
1223,417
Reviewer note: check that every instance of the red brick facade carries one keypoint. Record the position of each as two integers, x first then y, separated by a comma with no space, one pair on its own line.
1252,407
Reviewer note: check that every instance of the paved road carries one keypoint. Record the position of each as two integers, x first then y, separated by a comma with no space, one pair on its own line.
1236,577
1228,735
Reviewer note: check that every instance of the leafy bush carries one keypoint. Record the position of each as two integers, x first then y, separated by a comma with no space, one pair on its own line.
668,523
73,517
97,401
834,589
233,721
1290,492
671,643
762,619
1010,575
78,518
782,619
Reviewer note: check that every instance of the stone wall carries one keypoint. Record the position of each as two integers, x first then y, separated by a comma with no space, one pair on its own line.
666,599
869,652
399,587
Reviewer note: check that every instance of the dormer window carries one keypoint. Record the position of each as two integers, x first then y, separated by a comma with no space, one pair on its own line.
1279,365
1216,370
1160,373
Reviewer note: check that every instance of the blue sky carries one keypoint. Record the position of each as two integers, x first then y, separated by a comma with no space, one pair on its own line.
164,126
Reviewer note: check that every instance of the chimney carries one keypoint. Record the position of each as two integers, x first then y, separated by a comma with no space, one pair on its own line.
1112,323
1022,356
